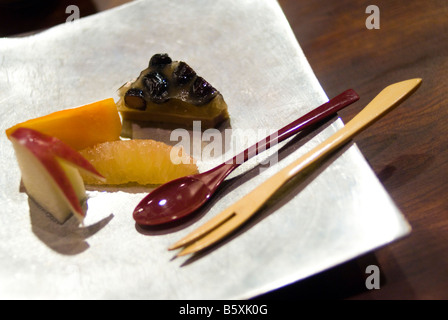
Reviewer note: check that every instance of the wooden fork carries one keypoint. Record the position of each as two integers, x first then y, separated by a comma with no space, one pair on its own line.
235,215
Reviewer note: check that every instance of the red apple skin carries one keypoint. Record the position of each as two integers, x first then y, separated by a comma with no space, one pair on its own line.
47,149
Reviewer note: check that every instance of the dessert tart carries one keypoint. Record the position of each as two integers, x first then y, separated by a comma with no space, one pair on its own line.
170,93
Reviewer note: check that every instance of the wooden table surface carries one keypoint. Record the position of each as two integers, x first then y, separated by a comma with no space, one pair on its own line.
408,149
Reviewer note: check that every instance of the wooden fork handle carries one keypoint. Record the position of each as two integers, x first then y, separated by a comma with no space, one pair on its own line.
385,101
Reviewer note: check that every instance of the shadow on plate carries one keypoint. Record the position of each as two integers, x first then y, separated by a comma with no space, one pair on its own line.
193,138
68,238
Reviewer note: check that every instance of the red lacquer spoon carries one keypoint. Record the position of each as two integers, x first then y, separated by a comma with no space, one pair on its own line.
181,197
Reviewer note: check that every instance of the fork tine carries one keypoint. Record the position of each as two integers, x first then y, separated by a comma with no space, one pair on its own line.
232,217
206,228
213,235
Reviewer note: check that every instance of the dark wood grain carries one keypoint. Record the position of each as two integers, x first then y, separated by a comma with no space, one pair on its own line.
407,149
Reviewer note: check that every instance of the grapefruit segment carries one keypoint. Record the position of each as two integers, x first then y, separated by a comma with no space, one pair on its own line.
141,161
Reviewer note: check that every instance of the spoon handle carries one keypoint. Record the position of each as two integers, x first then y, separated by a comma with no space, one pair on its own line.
324,111
214,176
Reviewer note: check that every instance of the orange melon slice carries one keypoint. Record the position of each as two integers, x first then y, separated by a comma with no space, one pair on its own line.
79,127
141,161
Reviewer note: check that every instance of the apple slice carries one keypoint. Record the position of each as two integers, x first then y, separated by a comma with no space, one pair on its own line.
49,169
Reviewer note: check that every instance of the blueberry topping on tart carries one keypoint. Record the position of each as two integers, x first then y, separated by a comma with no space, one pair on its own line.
159,60
156,86
134,98
202,90
183,73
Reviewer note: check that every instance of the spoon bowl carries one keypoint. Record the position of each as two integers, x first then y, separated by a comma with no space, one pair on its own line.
172,201
181,197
